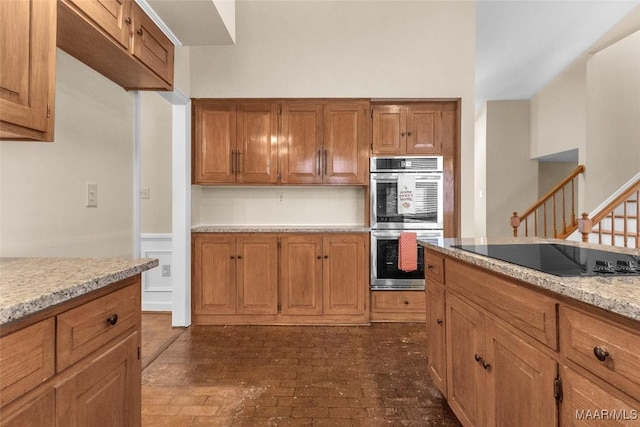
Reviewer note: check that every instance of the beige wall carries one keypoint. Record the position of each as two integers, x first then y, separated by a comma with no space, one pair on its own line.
43,185
480,169
511,176
613,119
155,163
349,49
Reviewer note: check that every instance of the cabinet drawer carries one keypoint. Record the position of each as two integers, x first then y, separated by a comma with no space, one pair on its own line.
26,359
434,266
527,310
582,335
84,329
398,301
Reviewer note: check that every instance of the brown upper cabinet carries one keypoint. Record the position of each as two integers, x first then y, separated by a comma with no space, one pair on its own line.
117,39
280,141
27,73
412,129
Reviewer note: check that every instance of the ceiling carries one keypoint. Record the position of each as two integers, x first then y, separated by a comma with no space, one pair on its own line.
520,46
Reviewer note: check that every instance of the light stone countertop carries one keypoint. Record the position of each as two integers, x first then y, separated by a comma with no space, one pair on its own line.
28,285
620,295
280,229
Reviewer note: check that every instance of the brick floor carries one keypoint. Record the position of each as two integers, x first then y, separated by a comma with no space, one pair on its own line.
294,376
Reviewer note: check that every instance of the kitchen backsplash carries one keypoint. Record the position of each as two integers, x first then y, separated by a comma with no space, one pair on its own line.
278,205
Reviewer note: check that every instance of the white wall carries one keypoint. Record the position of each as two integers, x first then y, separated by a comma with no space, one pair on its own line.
480,169
349,49
511,176
613,119
155,164
43,185
300,206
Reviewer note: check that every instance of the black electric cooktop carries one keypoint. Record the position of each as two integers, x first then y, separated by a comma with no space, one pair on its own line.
561,260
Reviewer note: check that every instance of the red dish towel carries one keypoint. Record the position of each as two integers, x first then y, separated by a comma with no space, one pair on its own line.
408,252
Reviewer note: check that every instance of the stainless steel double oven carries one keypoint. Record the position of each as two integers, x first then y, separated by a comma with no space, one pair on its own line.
387,223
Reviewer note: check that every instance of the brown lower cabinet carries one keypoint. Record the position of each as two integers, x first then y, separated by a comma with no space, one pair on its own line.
99,387
516,356
292,278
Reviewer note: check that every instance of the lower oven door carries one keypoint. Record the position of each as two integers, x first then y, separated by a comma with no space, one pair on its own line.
385,274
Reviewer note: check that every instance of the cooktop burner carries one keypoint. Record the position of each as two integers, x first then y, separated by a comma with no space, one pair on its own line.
561,260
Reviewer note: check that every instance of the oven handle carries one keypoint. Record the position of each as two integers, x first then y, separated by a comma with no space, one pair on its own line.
420,234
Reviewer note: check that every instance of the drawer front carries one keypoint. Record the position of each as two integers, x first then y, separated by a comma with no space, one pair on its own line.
527,310
84,329
434,266
398,301
602,347
27,359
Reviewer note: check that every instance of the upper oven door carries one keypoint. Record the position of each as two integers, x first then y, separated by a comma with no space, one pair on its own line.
428,202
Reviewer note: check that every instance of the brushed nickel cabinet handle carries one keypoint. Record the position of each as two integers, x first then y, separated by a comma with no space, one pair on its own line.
318,163
233,161
325,161
239,161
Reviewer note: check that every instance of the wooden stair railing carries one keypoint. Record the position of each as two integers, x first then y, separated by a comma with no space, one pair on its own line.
622,216
548,205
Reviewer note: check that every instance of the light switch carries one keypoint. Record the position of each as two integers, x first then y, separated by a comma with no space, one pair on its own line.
145,193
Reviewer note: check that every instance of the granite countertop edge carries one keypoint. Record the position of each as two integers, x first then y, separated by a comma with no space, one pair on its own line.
280,229
36,293
620,295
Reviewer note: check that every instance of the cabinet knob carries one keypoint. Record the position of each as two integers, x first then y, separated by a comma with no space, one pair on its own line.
409,133
319,257
326,256
128,20
140,31
406,302
486,365
113,319
232,257
429,266
239,256
600,353
439,321
403,133
478,358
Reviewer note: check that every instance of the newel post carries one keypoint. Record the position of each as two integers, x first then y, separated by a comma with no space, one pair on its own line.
515,223
584,226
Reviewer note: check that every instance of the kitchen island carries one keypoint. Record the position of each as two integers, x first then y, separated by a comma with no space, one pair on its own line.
70,340
509,345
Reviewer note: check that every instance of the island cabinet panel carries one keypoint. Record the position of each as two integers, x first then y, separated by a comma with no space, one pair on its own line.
593,402
529,311
99,393
290,278
436,335
98,375
606,349
27,74
27,359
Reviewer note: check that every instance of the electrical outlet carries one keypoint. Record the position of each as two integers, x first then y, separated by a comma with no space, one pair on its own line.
92,195
280,197
145,193
166,270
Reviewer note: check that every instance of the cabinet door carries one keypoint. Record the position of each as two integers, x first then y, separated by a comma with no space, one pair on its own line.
214,278
27,73
151,46
257,269
214,143
39,411
301,275
591,403
113,17
106,392
519,381
300,143
343,273
465,374
389,136
423,130
346,148
257,145
436,344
